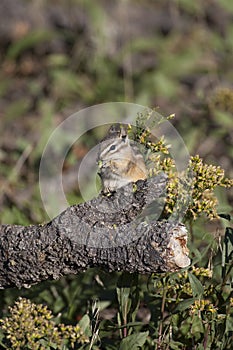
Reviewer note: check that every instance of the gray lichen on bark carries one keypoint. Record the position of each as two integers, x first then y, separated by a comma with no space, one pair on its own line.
107,232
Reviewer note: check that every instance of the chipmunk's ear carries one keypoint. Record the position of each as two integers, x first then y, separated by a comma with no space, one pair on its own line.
124,132
117,130
114,130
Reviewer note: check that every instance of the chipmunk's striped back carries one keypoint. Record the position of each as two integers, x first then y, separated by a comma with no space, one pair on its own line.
120,161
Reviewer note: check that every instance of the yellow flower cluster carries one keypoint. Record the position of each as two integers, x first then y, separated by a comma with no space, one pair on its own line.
202,305
199,179
30,326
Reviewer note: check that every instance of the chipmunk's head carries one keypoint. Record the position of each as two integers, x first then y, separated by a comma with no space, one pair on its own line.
119,160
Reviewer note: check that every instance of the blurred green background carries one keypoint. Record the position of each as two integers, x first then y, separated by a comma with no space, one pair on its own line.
58,57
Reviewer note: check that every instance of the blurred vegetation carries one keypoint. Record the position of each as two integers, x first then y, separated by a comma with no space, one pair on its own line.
59,57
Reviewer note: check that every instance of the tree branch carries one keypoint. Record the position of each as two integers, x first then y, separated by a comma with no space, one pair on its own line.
108,232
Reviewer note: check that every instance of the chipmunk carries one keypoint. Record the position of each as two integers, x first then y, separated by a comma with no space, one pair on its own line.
119,159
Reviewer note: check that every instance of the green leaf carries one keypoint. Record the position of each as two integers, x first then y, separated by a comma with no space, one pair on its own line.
175,345
229,323
30,40
129,324
47,344
184,304
84,323
123,295
197,327
196,286
2,337
17,109
134,341
223,118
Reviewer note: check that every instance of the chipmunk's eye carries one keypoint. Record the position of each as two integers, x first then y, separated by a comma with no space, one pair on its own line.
112,148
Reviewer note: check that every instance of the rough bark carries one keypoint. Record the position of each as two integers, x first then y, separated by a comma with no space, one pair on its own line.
108,232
